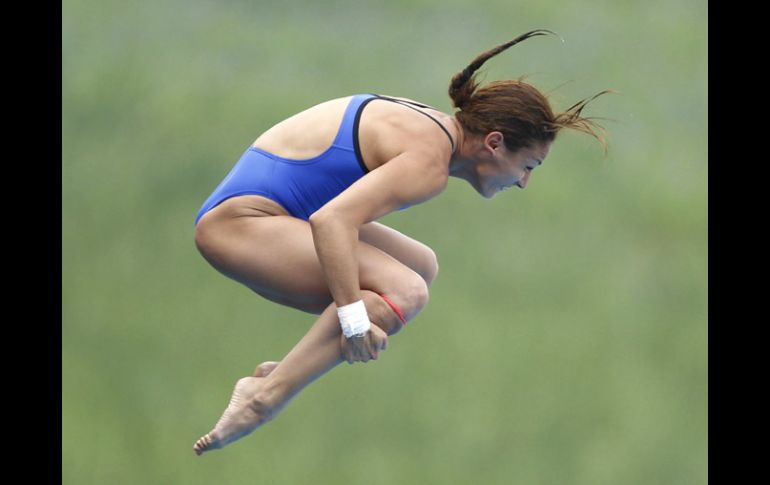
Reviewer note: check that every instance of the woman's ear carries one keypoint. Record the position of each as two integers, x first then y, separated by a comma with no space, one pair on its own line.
494,140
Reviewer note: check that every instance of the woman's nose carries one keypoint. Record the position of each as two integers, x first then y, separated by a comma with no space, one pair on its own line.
523,181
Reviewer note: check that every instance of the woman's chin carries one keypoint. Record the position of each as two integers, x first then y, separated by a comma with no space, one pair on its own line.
486,192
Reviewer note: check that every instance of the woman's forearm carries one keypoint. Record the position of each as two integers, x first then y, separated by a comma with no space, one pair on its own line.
336,244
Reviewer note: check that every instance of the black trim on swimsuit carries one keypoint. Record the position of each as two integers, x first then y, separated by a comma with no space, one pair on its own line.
409,104
356,146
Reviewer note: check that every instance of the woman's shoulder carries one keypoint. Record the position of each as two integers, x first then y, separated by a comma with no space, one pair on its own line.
395,125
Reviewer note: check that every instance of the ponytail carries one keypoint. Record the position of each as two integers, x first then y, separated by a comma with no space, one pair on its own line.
464,84
516,109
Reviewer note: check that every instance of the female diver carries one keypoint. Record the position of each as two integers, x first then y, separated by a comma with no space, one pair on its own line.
294,220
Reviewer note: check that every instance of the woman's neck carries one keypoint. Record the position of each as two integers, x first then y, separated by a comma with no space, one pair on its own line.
461,161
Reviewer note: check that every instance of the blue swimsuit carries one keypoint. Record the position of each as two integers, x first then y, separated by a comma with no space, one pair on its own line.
303,186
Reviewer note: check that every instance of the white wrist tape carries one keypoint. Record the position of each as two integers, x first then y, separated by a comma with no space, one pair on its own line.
353,319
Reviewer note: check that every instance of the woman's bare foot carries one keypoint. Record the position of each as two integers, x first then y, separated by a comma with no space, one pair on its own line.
265,368
243,415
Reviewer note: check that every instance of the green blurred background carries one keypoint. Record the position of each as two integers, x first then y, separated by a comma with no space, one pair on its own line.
566,337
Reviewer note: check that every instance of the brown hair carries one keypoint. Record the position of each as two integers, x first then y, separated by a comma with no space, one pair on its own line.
516,109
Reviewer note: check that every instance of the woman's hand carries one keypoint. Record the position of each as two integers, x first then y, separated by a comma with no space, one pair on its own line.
365,348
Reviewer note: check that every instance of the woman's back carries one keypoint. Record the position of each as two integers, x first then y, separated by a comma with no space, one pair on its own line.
385,129
306,134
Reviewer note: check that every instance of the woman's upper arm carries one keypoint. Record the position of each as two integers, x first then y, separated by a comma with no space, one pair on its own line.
410,178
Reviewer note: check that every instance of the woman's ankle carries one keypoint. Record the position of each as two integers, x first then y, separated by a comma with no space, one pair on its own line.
269,399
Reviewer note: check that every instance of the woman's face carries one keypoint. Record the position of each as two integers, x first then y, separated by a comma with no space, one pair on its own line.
499,169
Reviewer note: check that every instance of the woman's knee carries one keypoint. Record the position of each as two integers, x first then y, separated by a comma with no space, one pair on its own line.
410,295
430,270
380,313
416,297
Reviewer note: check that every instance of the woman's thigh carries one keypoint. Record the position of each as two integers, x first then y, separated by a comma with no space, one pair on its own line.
410,252
275,257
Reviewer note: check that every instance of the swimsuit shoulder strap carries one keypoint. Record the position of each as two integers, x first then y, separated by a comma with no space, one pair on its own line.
412,104
348,130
